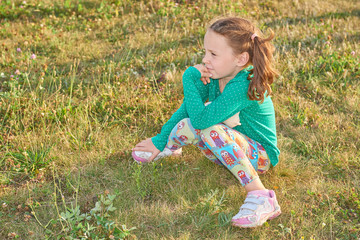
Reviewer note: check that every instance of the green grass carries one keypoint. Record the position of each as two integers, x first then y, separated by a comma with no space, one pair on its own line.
107,74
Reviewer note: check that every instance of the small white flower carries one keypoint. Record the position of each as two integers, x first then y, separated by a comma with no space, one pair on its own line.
2,75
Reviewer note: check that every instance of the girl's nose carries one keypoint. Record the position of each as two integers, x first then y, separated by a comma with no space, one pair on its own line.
205,60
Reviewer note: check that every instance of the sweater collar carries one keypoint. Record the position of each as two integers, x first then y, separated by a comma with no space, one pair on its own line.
243,74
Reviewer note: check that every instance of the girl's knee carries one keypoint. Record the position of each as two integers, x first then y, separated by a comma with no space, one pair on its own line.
184,124
184,133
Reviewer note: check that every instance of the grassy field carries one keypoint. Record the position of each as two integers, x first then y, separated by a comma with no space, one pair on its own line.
81,82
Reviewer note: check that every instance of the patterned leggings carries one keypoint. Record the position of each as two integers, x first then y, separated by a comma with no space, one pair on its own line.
225,146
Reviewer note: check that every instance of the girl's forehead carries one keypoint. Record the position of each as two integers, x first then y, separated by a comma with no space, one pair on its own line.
211,35
215,40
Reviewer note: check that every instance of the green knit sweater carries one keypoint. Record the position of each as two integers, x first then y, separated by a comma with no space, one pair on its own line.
257,120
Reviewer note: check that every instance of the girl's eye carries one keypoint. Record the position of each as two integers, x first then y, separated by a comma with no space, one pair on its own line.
213,54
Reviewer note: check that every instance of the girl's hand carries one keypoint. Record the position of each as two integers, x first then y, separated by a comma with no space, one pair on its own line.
205,74
147,146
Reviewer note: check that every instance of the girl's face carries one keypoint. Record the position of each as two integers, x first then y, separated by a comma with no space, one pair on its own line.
219,57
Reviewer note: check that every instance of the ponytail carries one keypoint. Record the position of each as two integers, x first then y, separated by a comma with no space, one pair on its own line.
263,73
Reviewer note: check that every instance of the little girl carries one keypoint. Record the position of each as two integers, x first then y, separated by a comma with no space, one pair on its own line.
235,78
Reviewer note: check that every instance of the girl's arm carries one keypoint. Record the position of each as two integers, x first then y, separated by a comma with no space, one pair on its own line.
232,100
161,139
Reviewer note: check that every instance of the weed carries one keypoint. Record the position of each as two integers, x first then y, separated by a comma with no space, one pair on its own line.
142,184
29,163
94,224
146,178
74,224
211,203
203,215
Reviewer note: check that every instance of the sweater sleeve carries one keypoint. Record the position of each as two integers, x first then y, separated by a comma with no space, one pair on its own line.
161,139
232,100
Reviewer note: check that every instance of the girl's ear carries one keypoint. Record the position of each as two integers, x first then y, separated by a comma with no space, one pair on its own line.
242,59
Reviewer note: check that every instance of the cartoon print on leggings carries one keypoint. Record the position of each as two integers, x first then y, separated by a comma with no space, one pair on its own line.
180,126
252,152
243,177
224,146
263,161
262,164
228,158
205,150
217,139
176,141
237,152
183,138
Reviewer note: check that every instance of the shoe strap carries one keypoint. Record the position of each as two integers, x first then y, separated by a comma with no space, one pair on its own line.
252,203
255,199
248,206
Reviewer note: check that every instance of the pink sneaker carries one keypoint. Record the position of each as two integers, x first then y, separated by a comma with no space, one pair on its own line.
259,206
143,157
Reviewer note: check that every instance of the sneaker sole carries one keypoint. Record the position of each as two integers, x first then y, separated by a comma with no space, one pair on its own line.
139,159
272,215
144,160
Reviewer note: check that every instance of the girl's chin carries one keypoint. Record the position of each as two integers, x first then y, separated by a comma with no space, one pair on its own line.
214,76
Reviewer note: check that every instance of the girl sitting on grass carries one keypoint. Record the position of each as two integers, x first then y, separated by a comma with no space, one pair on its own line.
235,77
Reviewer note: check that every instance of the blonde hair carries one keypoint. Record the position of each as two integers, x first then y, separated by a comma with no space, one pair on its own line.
243,36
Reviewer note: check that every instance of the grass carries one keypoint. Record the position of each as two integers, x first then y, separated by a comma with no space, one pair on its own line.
81,82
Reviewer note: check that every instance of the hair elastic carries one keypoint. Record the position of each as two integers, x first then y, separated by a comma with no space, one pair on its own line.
253,36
